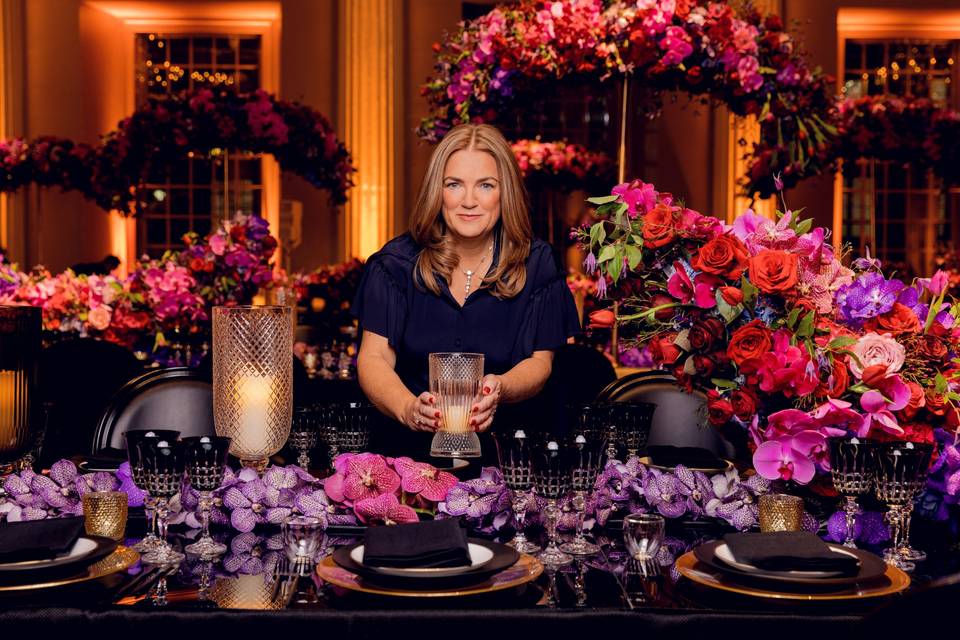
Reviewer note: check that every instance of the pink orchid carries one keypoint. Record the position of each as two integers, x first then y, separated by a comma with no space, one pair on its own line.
701,290
676,44
776,460
891,395
813,444
218,244
786,368
938,283
639,196
366,476
786,423
385,508
836,418
423,478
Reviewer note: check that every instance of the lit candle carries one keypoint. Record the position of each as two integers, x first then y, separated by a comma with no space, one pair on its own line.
456,418
253,393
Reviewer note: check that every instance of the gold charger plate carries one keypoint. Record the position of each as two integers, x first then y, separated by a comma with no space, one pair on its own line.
122,558
645,461
527,569
689,567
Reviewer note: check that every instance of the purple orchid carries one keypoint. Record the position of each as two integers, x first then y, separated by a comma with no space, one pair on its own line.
663,494
58,490
251,554
697,488
869,528
868,296
384,509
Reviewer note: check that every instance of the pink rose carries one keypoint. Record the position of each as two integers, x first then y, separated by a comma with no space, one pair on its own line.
99,318
875,349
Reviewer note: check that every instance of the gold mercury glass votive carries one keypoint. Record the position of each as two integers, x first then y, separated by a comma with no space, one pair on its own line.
780,512
105,514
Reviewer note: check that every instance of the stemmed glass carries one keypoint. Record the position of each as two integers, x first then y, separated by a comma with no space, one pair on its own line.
851,467
135,457
303,434
585,462
325,419
206,462
352,421
900,472
163,464
515,462
633,422
551,472
906,514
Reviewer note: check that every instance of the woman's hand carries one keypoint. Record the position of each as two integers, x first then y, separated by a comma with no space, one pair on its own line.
490,389
422,414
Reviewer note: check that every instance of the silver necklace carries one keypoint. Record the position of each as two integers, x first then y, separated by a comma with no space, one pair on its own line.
470,272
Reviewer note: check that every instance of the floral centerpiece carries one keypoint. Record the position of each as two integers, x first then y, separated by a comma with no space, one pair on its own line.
708,49
563,166
791,345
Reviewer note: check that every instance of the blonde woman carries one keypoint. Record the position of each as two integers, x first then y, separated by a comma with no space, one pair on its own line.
468,276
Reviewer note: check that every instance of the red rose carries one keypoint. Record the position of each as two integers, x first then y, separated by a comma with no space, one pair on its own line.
773,271
663,349
930,347
900,319
196,264
719,409
602,319
752,340
731,295
915,432
874,375
838,381
916,402
704,365
660,299
723,256
704,333
935,402
658,227
744,402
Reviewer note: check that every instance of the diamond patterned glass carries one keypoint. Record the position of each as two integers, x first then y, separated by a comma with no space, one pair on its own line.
253,379
455,381
19,352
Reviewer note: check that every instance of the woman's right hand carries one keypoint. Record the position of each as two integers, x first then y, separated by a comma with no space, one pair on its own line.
422,413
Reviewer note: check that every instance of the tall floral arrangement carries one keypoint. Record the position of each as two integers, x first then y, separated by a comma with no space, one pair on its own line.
564,166
791,345
747,61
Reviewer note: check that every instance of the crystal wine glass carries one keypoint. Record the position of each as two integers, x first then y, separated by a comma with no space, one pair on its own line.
326,420
551,472
906,514
515,462
585,463
303,434
851,467
206,462
135,457
900,471
353,426
633,422
163,464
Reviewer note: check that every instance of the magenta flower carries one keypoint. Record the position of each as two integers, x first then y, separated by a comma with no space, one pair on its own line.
676,44
878,413
386,509
639,196
836,418
776,460
786,423
58,489
663,494
701,290
365,476
423,478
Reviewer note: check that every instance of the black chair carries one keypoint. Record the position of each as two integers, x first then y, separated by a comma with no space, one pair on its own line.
681,417
77,379
176,398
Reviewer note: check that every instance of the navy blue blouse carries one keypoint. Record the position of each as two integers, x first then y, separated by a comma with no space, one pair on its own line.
417,322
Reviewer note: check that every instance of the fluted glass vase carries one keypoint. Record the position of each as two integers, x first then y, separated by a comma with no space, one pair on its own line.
19,354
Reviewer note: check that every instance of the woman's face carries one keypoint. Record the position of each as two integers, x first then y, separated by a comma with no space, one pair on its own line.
471,194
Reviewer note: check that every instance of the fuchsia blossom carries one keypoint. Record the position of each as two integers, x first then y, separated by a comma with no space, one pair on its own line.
677,45
701,290
879,404
386,509
786,368
424,479
781,460
360,477
639,196
836,418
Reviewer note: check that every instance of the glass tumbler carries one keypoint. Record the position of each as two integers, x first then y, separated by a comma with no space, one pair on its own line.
455,381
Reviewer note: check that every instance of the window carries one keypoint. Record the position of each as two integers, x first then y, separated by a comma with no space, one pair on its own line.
900,213
191,197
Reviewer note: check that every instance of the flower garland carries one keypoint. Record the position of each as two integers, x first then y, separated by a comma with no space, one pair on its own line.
792,345
910,131
704,48
562,166
167,130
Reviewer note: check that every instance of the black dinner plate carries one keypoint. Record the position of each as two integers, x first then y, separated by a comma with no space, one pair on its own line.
61,565
503,557
871,568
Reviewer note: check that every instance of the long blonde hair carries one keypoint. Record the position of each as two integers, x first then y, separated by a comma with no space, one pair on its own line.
437,257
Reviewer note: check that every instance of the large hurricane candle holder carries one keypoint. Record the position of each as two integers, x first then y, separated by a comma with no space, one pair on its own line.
455,381
253,380
19,353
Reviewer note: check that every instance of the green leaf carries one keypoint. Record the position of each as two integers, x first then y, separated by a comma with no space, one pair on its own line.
805,329
602,199
841,341
941,384
634,256
793,317
749,291
618,215
804,226
723,384
683,340
616,264
811,349
607,253
728,311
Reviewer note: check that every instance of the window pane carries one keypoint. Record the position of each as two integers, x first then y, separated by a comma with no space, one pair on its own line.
180,50
156,231
226,54
250,51
201,201
202,50
179,201
178,227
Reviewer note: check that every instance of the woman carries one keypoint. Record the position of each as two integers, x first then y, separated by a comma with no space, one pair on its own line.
467,277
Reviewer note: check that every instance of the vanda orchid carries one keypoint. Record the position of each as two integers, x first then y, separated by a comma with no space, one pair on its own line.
790,343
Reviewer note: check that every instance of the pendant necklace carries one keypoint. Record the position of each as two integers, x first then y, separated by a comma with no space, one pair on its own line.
470,272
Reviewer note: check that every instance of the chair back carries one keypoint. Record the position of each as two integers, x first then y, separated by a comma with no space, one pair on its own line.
681,417
176,398
78,377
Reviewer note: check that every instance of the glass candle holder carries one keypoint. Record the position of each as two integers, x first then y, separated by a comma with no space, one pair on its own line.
253,380
19,354
105,514
455,381
643,535
302,536
780,512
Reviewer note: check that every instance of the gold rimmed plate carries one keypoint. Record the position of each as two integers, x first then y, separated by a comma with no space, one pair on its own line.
645,461
893,581
121,559
525,570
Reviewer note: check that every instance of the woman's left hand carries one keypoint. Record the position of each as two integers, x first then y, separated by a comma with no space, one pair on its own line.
482,415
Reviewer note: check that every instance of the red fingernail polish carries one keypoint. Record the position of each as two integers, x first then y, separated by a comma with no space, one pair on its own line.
472,422
437,414
431,400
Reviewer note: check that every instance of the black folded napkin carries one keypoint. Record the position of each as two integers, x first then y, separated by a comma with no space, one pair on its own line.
38,539
789,551
693,457
434,543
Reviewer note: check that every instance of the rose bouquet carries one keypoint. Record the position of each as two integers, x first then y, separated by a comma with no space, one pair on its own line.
563,166
791,345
